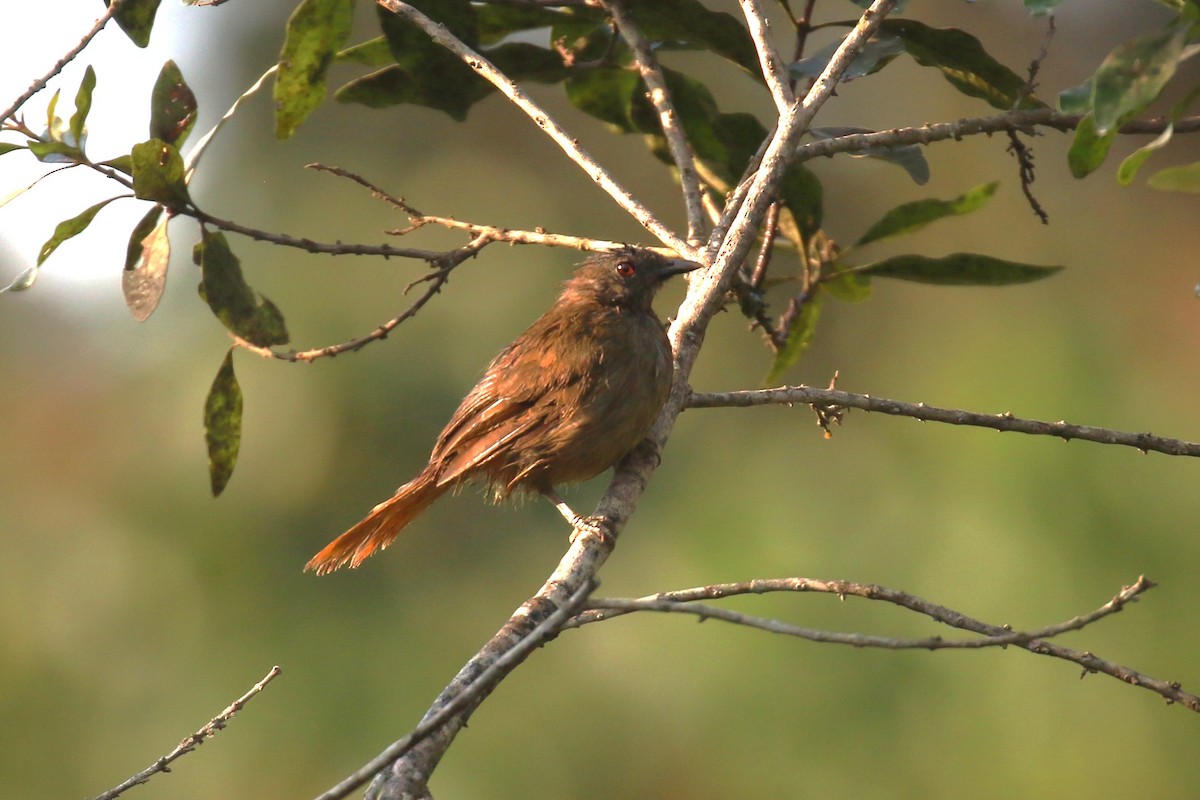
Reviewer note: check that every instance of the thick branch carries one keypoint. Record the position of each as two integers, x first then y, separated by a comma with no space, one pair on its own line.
787,395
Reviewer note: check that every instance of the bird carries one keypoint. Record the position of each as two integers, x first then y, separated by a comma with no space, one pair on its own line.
566,400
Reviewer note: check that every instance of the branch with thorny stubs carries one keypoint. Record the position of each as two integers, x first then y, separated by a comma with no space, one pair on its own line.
192,741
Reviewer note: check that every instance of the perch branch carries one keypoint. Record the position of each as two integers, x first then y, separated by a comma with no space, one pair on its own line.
564,140
471,695
215,725
408,776
786,395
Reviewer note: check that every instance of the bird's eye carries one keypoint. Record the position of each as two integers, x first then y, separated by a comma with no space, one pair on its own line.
626,269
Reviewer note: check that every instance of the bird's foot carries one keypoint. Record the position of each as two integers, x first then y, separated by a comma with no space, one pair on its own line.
599,526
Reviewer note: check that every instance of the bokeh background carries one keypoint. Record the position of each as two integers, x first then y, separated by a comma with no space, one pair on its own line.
134,606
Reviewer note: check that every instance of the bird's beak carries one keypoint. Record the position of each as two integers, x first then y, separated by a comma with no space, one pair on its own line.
677,266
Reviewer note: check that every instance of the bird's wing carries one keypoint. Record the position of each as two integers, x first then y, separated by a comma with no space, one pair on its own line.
509,402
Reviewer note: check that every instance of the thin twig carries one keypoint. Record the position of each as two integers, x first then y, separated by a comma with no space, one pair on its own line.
787,395
568,144
193,741
41,82
419,219
668,117
437,279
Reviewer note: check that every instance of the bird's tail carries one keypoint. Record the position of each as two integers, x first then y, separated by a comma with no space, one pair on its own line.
380,527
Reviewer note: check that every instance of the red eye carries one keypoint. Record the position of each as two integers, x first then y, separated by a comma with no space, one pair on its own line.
626,269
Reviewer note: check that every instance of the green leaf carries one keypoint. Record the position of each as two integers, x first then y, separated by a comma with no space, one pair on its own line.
690,23
911,217
496,23
172,106
963,61
1185,178
877,53
371,53
22,282
1134,74
69,228
800,336
1077,99
136,18
158,173
147,255
908,157
120,163
1133,162
55,152
848,286
83,105
958,269
8,147
316,30
1088,149
240,309
223,424
425,73
1039,8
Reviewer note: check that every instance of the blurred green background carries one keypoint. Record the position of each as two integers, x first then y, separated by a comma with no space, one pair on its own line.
133,606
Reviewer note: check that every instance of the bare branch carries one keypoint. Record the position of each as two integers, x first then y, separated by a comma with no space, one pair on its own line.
41,82
668,117
996,636
1021,121
564,140
436,280
193,741
773,67
786,395
684,601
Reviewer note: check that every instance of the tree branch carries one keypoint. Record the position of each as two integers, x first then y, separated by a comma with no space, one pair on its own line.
668,117
70,56
683,601
787,395
476,685
568,144
1023,121
214,726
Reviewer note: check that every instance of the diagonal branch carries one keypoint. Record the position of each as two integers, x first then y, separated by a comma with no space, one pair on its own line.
668,117
190,743
770,61
568,144
786,395
41,82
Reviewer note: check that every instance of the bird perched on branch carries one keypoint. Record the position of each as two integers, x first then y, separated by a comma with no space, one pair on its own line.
569,398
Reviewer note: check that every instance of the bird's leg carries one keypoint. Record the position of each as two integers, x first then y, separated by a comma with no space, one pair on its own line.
579,524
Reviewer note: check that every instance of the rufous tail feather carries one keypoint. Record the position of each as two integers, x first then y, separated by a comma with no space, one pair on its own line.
380,527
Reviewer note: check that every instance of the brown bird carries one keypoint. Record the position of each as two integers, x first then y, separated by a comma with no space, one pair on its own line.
569,398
